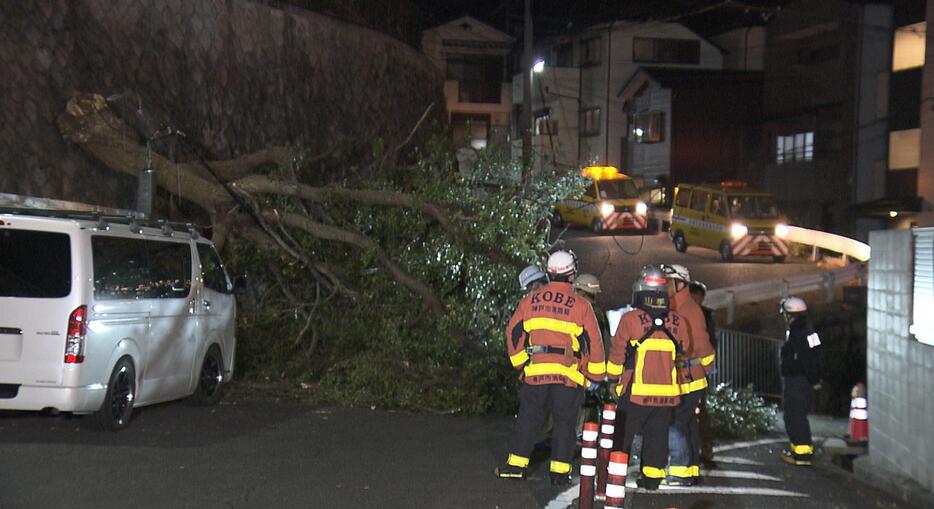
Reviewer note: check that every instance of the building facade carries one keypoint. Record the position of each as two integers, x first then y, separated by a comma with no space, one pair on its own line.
474,58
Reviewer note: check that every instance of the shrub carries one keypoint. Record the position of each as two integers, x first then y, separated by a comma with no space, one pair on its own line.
738,413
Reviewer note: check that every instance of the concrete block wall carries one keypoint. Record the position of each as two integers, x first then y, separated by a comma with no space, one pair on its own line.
900,370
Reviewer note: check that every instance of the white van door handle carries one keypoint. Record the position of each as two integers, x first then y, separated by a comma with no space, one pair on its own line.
206,303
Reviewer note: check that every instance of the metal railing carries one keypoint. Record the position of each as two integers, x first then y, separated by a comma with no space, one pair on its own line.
729,298
744,359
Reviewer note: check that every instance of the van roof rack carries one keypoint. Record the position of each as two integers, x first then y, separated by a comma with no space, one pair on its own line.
135,220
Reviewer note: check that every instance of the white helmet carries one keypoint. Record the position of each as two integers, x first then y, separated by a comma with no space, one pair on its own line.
530,275
677,271
562,263
791,305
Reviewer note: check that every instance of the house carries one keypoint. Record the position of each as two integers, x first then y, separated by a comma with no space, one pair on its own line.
473,56
690,125
602,58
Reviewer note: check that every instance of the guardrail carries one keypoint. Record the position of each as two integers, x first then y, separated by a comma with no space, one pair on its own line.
748,359
830,241
729,298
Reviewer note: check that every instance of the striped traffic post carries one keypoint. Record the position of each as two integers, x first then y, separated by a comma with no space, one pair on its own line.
859,415
616,480
607,429
588,465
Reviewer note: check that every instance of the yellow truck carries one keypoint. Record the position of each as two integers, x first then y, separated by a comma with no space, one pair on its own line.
611,202
730,218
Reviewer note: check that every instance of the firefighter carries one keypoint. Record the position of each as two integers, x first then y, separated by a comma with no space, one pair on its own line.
554,340
801,376
588,286
705,433
641,371
695,362
532,278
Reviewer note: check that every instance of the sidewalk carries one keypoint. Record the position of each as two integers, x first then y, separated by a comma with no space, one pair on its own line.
829,436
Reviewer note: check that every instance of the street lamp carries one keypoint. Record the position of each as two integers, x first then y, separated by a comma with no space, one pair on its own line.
538,67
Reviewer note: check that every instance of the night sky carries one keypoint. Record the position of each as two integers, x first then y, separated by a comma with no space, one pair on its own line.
555,17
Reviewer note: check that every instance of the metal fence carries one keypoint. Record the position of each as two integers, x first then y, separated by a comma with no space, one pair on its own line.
744,359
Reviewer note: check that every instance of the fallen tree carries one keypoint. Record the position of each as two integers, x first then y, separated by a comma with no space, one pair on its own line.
354,263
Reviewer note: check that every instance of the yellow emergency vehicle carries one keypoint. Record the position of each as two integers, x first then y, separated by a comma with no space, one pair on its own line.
729,217
611,202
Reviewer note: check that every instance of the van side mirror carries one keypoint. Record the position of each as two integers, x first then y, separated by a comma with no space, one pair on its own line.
239,284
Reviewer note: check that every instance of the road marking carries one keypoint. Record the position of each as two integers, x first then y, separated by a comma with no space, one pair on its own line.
736,460
565,499
746,445
739,474
723,490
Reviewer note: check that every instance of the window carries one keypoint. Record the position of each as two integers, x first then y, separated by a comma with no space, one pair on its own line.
140,269
591,191
699,200
470,130
718,205
908,47
753,207
666,51
683,198
649,127
479,77
34,264
794,147
591,52
905,149
545,125
212,271
923,289
618,189
590,122
810,56
564,55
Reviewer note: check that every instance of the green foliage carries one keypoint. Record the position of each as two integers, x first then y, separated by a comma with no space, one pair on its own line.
386,348
738,413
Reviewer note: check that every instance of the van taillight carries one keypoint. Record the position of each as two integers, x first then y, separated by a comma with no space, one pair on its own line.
77,330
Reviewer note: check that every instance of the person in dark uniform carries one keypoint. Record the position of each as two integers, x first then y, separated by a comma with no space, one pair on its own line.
801,377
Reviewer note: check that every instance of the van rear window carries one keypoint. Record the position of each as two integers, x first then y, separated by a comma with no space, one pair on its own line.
34,264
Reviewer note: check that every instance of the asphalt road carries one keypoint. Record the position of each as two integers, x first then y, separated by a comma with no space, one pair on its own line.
617,260
259,454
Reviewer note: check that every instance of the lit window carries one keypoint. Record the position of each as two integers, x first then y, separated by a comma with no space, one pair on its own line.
649,127
794,147
905,149
590,122
908,50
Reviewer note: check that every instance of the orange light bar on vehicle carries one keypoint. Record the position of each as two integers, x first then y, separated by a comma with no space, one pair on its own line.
601,172
733,183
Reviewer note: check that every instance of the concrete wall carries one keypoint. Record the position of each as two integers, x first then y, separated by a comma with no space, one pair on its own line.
900,370
744,48
236,75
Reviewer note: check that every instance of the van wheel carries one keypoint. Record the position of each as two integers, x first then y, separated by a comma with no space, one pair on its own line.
117,408
210,379
726,252
778,259
680,244
597,226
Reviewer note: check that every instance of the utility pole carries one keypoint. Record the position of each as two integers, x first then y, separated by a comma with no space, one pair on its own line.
525,122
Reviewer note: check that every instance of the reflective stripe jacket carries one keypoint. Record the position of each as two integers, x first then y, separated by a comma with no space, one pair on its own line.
697,356
658,374
555,317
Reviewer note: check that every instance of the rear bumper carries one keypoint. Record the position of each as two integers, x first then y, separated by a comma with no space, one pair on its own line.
65,399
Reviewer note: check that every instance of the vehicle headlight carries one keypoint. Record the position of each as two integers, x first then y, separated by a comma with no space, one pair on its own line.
641,208
606,208
738,231
781,230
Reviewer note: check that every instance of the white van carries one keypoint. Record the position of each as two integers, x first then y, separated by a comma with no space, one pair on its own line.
99,315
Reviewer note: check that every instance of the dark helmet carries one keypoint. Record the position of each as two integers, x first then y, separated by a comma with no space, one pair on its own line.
650,290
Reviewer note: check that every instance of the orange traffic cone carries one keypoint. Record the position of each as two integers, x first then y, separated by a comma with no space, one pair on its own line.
859,415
